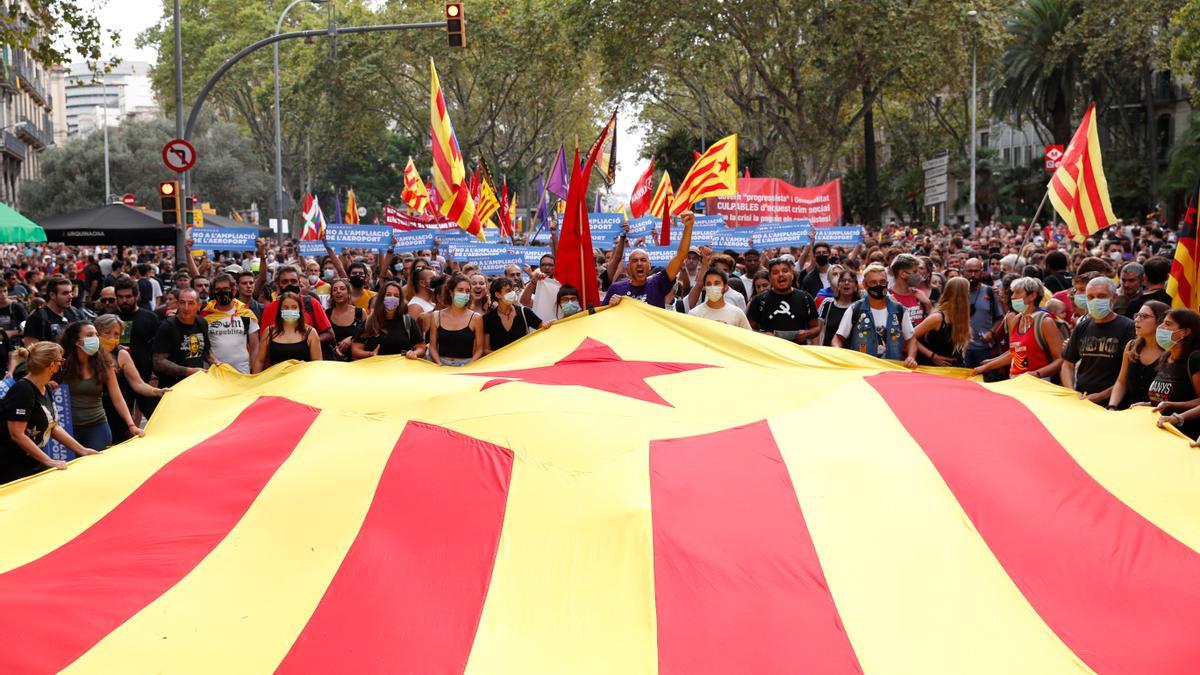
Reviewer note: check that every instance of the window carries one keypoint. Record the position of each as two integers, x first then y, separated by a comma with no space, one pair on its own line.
983,139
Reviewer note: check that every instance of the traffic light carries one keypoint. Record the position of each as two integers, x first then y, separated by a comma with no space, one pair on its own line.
456,24
168,195
190,211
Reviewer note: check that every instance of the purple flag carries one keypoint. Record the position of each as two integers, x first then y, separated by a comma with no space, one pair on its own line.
337,213
542,210
558,175
597,209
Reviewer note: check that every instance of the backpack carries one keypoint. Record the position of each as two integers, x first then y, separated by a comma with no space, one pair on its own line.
1064,330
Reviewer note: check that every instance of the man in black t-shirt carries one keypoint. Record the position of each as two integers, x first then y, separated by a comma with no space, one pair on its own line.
48,322
782,310
1092,358
140,326
12,313
181,346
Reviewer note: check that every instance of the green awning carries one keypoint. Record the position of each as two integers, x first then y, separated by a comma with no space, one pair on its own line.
17,229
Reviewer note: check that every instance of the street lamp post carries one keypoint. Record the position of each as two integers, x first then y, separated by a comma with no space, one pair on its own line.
279,210
974,17
107,182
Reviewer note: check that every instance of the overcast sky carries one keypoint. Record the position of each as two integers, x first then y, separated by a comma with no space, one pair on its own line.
131,17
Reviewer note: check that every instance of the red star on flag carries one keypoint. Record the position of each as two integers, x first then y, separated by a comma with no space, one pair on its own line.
595,365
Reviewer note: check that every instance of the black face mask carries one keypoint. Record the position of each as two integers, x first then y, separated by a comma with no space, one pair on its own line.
223,297
358,282
291,289
878,292
822,260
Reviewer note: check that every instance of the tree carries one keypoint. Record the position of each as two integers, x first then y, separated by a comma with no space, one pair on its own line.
43,26
73,173
1042,68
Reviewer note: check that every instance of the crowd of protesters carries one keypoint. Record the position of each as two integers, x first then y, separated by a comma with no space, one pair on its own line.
119,327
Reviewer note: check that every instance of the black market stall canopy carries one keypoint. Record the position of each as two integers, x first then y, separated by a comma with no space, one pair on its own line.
121,225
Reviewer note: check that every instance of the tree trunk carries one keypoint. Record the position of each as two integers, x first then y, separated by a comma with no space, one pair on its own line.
1151,132
870,162
1061,115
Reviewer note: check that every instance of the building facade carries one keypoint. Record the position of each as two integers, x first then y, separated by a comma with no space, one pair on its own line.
88,101
26,124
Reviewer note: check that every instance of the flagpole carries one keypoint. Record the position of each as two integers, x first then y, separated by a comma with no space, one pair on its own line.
1032,224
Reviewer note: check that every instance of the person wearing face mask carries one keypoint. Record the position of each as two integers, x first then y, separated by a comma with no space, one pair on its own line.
508,321
456,333
1035,341
360,295
314,314
109,328
716,284
89,372
878,325
389,329
709,260
816,276
318,287
1140,363
905,288
420,290
1175,390
232,327
1092,359
289,337
830,312
567,302
30,416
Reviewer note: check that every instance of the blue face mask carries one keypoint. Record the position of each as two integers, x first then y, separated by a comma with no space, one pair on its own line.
91,345
1019,306
570,307
1081,300
461,299
1099,307
1165,337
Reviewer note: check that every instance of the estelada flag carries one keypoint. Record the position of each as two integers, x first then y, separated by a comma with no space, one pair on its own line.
1184,282
401,529
643,192
449,175
1078,189
488,204
713,175
605,150
660,205
414,193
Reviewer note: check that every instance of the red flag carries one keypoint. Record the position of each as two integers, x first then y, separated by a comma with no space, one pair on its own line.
643,190
504,215
576,265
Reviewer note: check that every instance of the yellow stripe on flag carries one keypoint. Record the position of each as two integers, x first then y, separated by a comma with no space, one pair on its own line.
893,540
255,592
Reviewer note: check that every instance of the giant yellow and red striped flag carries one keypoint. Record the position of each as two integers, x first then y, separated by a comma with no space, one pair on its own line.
318,519
1184,282
1078,188
414,193
713,175
449,174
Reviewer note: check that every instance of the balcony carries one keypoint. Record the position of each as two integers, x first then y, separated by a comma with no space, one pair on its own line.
36,137
29,78
13,146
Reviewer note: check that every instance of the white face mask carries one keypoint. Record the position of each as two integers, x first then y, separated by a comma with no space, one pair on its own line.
713,293
511,297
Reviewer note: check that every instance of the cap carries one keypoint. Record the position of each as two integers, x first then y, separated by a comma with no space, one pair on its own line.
234,269
694,249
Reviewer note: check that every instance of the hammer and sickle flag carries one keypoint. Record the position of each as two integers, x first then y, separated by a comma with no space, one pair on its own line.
591,499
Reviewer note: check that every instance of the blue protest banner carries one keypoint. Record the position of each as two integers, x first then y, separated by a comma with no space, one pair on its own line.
659,255
736,238
224,238
719,220
60,397
312,248
532,255
472,252
783,233
413,240
643,227
495,265
703,231
843,235
376,237
604,228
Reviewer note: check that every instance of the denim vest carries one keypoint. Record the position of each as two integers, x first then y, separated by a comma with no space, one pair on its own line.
863,336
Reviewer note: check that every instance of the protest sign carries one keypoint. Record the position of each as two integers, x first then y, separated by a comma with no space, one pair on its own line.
761,200
846,235
495,265
659,255
224,238
414,240
375,237
605,227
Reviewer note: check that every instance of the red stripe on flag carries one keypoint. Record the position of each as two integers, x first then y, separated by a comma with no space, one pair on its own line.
1120,592
737,583
56,608
409,594
1099,214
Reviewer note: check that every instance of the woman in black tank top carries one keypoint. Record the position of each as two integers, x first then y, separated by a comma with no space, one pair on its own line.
346,319
456,337
290,338
943,336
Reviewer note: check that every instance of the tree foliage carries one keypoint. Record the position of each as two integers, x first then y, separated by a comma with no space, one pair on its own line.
45,27
73,173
